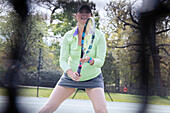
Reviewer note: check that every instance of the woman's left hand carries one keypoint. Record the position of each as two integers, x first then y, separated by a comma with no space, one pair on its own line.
86,59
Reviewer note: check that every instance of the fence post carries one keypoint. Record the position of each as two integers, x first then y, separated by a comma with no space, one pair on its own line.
38,68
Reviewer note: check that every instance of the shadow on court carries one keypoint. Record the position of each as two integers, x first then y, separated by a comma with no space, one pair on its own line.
33,104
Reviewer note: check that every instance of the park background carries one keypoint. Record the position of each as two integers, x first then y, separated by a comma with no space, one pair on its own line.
50,20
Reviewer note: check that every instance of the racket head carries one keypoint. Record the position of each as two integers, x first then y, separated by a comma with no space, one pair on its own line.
88,36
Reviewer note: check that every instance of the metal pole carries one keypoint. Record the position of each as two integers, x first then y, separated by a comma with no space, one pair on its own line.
38,68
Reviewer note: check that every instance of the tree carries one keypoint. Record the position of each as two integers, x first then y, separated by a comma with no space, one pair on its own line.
13,64
156,13
28,36
62,14
116,36
128,18
110,72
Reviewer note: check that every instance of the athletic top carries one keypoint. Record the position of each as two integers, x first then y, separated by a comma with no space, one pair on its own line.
70,54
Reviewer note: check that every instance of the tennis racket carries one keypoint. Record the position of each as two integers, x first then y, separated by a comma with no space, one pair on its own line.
87,40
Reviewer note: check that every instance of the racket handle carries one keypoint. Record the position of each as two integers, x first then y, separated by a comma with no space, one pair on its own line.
79,70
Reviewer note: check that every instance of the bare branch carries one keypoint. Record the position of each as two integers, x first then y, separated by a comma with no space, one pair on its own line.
44,7
126,23
163,45
162,31
165,51
130,13
128,45
53,11
166,64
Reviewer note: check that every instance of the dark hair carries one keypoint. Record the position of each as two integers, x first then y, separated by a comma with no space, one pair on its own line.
84,6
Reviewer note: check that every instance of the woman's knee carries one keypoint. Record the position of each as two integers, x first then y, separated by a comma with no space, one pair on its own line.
44,109
101,109
48,109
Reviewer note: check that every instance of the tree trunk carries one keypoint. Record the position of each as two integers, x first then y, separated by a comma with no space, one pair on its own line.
161,91
168,84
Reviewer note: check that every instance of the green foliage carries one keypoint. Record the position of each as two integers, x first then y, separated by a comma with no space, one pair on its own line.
50,56
24,38
117,36
63,25
110,70
28,34
65,19
55,48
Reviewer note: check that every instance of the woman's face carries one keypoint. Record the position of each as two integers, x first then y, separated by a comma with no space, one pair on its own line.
82,16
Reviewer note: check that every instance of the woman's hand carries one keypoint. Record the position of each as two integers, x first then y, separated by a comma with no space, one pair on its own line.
86,59
74,75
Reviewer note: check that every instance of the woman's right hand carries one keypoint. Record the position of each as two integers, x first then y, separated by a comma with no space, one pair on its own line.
74,75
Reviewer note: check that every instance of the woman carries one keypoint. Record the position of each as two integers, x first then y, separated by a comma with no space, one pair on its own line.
91,78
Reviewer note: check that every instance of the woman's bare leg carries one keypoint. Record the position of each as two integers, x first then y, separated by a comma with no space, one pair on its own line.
58,95
97,97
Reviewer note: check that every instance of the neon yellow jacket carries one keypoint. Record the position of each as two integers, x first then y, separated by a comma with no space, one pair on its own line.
70,54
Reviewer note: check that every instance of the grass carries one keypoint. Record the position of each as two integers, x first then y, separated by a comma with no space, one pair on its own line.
117,97
159,100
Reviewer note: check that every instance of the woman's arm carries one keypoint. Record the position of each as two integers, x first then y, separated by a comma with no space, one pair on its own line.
100,52
64,54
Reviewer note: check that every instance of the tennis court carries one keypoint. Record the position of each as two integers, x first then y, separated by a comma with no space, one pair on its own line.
33,104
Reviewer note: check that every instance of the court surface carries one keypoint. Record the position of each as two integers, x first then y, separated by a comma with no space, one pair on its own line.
33,104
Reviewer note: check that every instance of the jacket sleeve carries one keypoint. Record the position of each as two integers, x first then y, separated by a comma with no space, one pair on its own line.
64,54
100,52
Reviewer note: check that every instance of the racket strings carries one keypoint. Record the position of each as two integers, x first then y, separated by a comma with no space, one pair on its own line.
89,28
88,39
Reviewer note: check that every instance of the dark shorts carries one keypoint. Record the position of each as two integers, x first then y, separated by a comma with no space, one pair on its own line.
66,81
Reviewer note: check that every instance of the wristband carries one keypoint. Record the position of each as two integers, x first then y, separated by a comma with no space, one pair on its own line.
90,60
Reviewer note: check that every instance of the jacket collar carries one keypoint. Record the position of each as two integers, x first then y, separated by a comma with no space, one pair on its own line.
76,32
